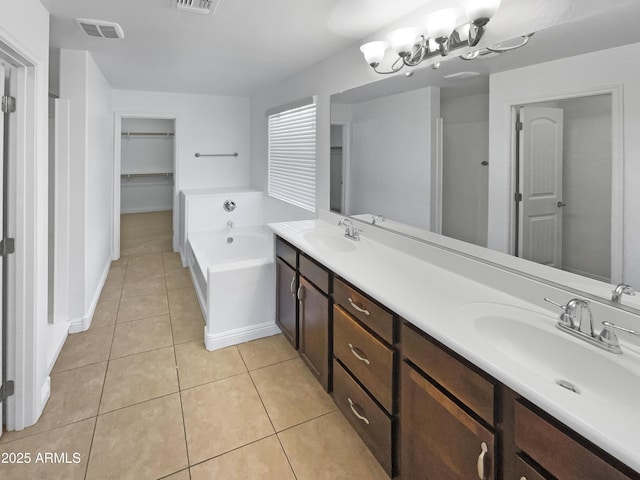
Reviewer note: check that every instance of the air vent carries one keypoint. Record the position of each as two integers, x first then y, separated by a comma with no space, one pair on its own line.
198,6
99,28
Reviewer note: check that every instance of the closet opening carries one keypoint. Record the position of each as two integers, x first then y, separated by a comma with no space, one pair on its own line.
147,192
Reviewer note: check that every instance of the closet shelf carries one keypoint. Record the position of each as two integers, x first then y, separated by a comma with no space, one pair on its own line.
139,175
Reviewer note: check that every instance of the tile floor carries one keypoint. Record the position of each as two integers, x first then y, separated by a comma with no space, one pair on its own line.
138,397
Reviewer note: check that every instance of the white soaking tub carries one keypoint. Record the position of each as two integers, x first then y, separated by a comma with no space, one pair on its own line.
233,272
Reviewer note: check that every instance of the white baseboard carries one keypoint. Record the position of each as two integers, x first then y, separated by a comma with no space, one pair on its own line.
214,341
166,208
83,324
45,393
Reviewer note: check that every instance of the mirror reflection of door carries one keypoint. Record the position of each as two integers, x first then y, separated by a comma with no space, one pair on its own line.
564,170
336,194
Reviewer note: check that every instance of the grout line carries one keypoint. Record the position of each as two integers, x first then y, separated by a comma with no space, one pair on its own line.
6,442
233,449
309,420
175,357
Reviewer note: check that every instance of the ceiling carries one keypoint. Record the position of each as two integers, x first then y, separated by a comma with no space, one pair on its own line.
241,47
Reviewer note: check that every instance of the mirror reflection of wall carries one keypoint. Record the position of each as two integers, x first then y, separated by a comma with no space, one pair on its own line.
336,193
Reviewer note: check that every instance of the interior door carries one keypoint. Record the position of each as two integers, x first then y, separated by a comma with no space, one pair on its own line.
540,184
2,166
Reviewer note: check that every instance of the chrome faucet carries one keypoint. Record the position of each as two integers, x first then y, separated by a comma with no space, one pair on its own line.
375,218
351,231
621,289
577,320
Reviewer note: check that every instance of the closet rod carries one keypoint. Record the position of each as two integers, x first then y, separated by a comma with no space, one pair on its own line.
234,154
148,134
137,175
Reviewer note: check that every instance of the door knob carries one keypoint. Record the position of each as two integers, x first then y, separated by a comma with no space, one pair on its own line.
561,204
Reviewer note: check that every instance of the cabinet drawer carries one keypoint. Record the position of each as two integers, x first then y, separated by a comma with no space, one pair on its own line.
524,471
315,273
472,389
370,361
364,309
369,420
551,448
287,253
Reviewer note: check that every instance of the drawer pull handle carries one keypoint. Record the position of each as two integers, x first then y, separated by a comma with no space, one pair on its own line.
358,356
481,461
523,478
301,293
361,310
355,412
292,287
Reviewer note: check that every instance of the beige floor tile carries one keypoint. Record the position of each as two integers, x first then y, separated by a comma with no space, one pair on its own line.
141,336
291,394
105,314
139,286
139,378
182,475
328,448
116,275
196,365
178,279
182,299
171,261
222,416
110,292
85,348
187,325
143,306
75,395
264,460
144,270
266,351
71,441
147,244
121,261
145,259
139,442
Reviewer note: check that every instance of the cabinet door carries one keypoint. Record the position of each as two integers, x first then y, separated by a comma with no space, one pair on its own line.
314,330
438,439
286,307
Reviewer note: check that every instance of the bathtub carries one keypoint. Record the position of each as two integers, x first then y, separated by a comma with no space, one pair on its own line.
233,272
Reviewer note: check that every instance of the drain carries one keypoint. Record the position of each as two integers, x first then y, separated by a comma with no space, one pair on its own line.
229,239
568,385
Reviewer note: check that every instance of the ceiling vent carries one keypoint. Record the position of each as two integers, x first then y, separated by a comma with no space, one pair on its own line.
197,6
99,28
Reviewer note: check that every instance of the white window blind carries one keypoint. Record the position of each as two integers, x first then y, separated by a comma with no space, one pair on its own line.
292,156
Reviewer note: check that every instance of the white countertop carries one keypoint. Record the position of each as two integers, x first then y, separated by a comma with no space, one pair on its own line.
429,297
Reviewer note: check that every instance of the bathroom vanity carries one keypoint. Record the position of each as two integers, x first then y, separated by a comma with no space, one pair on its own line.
404,347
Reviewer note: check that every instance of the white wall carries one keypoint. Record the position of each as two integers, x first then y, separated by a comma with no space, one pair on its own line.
24,26
205,124
146,154
567,77
390,153
89,195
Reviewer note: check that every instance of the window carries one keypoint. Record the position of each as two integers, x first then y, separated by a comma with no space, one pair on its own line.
292,155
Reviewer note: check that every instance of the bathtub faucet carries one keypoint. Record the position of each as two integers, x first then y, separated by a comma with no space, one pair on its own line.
230,224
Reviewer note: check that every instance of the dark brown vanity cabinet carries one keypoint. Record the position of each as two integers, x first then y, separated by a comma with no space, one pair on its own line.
287,288
442,436
557,451
364,369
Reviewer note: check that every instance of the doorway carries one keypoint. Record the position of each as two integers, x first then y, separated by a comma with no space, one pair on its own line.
563,185
145,182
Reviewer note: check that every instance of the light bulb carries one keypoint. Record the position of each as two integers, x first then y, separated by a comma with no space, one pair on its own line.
482,9
403,39
463,32
441,23
374,51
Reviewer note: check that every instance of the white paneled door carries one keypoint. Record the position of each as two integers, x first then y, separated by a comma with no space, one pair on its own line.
540,181
3,150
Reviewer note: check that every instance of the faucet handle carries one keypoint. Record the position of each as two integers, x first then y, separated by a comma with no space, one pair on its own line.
608,335
568,317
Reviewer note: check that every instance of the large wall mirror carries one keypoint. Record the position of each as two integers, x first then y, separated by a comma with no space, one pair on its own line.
531,154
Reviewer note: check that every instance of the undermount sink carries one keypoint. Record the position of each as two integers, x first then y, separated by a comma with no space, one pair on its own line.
532,340
333,241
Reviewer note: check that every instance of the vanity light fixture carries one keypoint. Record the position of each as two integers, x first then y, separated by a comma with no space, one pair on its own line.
444,30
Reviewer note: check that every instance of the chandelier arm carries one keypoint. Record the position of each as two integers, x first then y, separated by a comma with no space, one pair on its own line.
395,67
525,40
475,34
